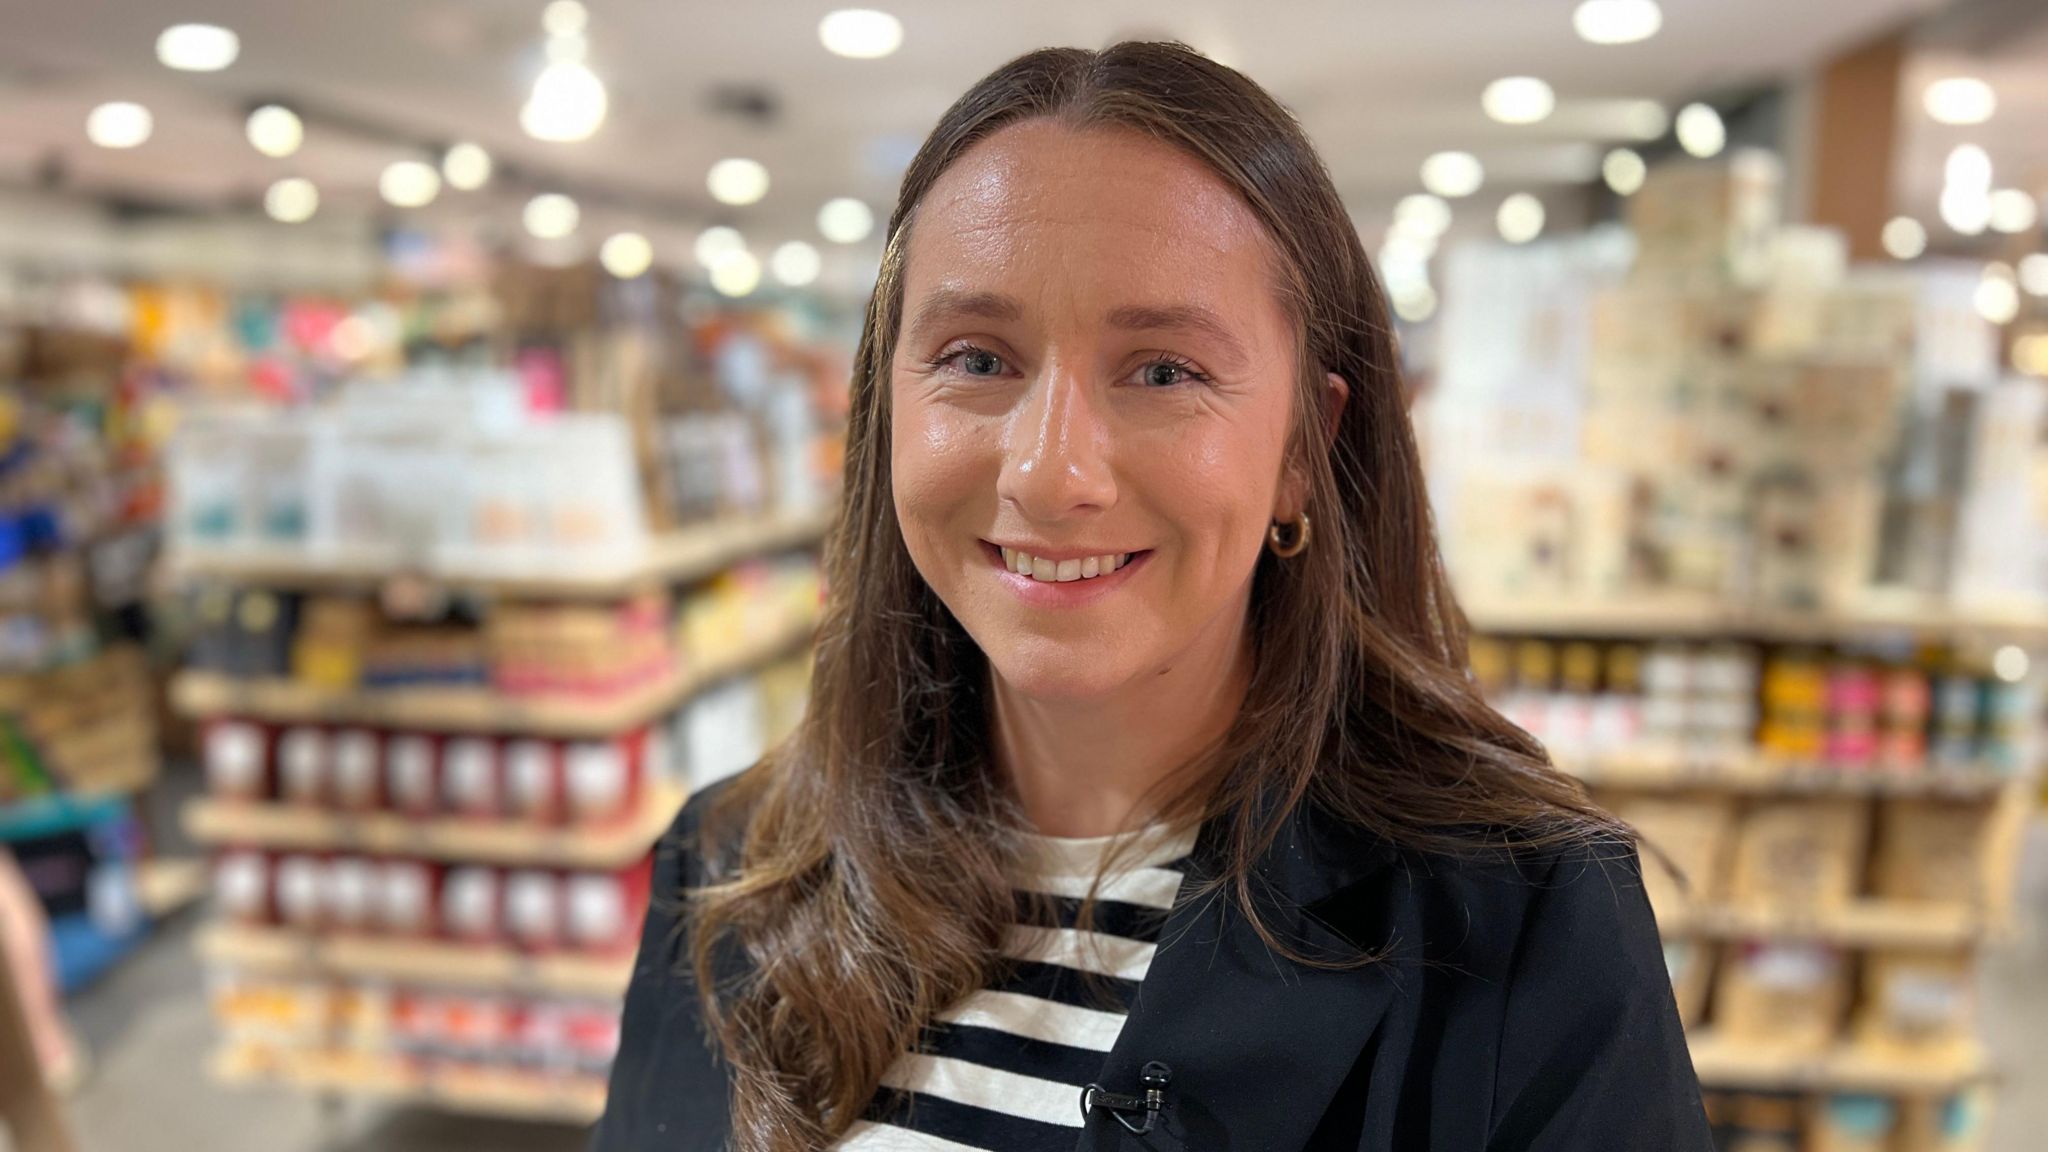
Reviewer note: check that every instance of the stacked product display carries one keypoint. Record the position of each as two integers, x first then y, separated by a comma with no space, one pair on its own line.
1698,534
78,731
452,689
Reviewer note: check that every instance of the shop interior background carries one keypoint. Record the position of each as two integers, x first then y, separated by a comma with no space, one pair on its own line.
419,421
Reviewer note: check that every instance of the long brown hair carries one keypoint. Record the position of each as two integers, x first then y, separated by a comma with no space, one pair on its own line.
872,885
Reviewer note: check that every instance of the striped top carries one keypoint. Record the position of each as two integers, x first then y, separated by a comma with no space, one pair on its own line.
1002,1070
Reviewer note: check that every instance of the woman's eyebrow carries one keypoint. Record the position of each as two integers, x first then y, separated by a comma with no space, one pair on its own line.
948,304
1191,318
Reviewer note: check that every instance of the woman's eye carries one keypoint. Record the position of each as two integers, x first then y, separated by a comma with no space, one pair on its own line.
1166,374
976,362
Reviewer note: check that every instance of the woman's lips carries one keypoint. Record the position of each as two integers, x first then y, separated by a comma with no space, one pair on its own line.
1070,584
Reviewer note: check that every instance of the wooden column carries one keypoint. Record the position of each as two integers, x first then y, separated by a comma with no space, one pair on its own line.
1855,135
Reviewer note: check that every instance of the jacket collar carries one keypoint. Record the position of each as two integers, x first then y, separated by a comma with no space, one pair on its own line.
1258,1044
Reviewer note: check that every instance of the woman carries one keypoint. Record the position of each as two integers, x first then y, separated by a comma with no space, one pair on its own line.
1143,800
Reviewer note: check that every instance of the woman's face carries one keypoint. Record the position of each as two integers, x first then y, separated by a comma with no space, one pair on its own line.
1090,401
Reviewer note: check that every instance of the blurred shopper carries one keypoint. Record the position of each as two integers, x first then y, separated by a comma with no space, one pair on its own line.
1143,800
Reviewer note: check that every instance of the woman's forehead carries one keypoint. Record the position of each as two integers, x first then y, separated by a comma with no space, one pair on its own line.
1103,206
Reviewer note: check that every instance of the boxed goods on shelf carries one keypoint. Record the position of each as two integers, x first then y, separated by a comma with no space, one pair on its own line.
533,910
1781,994
1799,853
1932,851
1917,999
1851,1124
1685,841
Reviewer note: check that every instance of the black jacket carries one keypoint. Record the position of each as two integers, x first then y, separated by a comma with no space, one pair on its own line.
1521,1005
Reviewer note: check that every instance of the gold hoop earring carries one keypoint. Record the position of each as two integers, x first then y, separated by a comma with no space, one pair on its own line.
1284,549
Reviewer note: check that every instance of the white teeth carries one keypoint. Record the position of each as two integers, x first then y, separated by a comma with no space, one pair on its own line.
1062,571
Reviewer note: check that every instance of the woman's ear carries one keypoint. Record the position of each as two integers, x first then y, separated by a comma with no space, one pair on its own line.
1293,485
1335,398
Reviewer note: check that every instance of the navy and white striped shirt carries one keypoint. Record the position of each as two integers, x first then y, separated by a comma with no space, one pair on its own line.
1002,1070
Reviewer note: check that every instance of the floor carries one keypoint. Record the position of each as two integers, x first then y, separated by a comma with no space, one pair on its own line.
147,1027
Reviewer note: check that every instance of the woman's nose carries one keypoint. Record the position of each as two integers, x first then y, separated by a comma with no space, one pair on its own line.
1057,456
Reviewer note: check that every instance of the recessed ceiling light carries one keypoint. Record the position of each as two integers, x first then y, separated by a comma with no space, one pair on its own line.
1968,166
409,184
564,18
736,273
467,167
1966,210
1518,100
1904,238
1617,21
860,33
2033,273
292,200
1453,174
568,103
1997,299
1422,214
197,47
1624,171
2013,211
845,220
1959,100
276,131
715,242
120,124
737,181
1700,131
795,263
1520,218
551,216
626,255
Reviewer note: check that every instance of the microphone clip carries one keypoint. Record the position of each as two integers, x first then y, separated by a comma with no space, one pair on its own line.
1155,1077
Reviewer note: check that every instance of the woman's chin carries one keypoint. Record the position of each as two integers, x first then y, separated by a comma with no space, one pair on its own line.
1059,671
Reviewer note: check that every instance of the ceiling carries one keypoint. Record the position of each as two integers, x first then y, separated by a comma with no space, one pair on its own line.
1379,83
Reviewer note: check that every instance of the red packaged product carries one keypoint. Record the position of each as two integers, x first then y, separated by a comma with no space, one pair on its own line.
533,781
601,779
241,886
533,909
408,897
410,782
301,892
472,905
469,777
237,756
357,772
603,910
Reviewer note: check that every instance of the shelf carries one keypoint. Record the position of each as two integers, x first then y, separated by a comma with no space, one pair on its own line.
1933,1071
1706,618
167,885
481,1092
1864,924
1662,772
677,557
273,951
206,694
615,844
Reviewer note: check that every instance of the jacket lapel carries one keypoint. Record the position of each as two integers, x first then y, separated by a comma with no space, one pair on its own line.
1258,1043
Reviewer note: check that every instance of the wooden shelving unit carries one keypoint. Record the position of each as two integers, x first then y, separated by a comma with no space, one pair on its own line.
482,1092
678,557
1844,1068
1739,772
205,694
227,822
1701,618
344,958
280,952
1864,924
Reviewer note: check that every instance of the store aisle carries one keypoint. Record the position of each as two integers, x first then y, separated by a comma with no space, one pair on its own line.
149,1032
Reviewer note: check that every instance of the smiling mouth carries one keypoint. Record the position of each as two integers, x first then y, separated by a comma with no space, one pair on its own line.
1046,571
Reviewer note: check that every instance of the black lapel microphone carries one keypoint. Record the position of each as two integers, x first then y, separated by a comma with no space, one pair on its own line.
1155,1076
